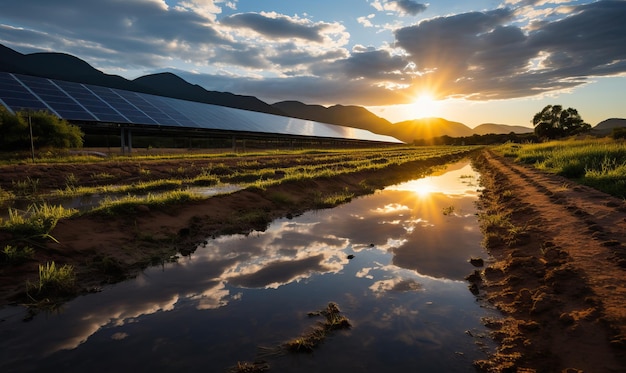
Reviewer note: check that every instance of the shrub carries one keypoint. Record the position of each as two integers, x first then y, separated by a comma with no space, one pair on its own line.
48,131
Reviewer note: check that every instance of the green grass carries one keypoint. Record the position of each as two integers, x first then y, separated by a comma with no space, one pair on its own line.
129,204
15,255
53,280
6,195
599,163
325,201
37,220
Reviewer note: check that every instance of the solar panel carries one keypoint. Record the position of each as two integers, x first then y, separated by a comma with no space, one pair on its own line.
89,103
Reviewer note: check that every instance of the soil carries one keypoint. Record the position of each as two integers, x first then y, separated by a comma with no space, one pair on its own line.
557,273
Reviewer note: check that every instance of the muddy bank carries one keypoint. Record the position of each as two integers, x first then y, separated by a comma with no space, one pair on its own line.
557,271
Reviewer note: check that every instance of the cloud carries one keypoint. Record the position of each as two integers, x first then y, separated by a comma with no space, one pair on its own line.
483,55
402,7
276,26
410,7
528,48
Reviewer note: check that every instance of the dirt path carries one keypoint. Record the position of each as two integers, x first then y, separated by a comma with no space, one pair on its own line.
558,271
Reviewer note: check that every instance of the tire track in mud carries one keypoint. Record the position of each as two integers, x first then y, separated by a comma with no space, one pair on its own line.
560,281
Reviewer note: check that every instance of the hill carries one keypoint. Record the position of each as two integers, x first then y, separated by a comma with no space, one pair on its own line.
611,123
500,129
351,116
426,128
605,127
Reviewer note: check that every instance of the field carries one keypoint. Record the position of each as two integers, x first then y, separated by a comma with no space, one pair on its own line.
599,163
557,247
149,213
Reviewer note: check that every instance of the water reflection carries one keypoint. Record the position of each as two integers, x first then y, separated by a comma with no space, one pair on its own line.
403,291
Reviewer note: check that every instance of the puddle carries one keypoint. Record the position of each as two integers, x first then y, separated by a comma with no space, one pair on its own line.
402,290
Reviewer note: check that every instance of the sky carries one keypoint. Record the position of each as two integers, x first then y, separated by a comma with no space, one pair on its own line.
479,61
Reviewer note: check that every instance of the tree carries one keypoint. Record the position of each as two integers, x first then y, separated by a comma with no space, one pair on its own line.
48,131
553,122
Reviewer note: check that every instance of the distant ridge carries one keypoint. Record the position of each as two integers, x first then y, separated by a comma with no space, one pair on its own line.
610,124
351,116
500,129
426,128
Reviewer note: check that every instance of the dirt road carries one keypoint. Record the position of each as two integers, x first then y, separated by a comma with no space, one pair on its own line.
558,271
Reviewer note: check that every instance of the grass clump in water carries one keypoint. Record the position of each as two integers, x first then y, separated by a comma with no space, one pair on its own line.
334,320
53,281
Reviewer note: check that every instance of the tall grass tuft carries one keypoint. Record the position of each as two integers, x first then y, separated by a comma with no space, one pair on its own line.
53,280
37,220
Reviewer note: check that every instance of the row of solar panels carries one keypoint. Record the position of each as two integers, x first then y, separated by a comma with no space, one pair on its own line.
86,103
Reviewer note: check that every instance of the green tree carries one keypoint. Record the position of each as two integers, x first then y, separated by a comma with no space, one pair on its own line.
48,131
553,122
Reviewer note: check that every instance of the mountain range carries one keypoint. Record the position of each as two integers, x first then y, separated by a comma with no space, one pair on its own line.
70,68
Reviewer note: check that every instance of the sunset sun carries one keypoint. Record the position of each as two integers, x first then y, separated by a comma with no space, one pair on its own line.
425,105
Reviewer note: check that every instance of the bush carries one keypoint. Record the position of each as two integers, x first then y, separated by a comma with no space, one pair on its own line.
619,133
48,131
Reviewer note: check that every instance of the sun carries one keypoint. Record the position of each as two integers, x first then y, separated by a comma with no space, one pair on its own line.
425,105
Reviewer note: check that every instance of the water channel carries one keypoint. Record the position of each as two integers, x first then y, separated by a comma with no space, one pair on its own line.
394,262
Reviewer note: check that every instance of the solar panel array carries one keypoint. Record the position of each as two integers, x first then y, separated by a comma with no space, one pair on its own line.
86,104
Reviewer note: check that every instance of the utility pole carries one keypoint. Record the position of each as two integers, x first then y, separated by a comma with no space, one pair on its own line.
32,145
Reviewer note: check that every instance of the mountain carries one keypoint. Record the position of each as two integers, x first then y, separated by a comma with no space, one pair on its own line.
58,66
351,116
171,85
66,67
426,128
500,129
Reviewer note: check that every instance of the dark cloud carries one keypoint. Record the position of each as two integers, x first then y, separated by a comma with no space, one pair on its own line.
411,7
373,65
279,27
126,33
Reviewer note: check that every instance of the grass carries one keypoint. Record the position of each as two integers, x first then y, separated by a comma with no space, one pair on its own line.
6,195
130,204
53,280
334,199
15,255
267,170
25,188
334,320
37,220
599,163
